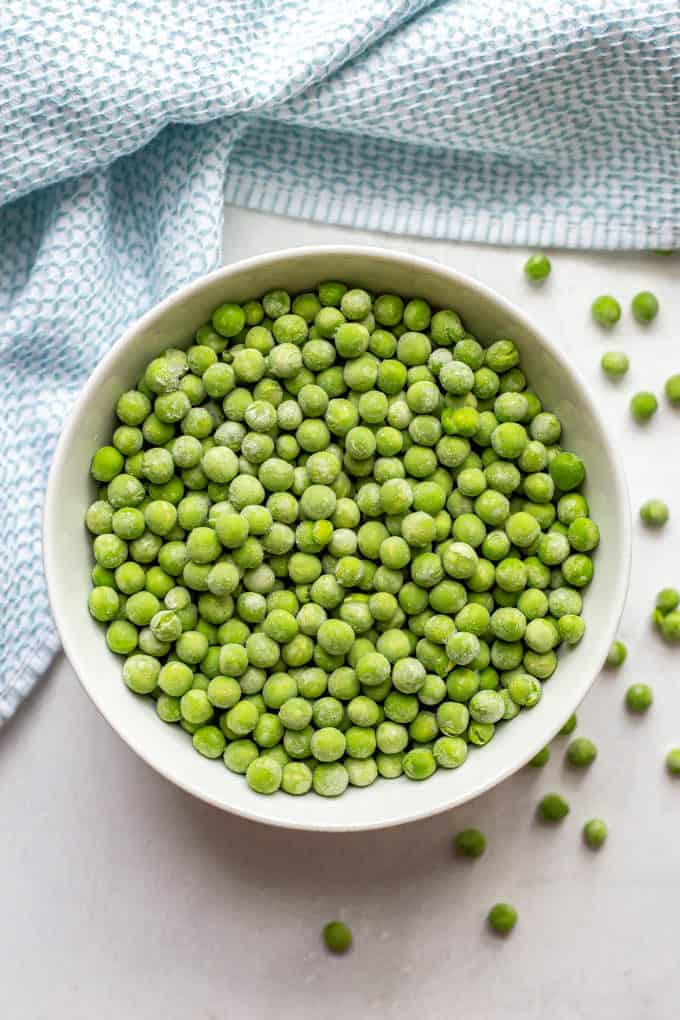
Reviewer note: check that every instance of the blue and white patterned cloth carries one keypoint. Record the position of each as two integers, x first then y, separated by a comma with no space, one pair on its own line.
125,124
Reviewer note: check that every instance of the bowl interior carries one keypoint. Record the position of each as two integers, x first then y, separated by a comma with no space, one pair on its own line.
68,553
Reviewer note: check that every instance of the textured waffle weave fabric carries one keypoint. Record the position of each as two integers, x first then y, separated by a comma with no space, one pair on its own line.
124,125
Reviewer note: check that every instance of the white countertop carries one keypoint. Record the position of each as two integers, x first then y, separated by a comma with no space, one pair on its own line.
125,899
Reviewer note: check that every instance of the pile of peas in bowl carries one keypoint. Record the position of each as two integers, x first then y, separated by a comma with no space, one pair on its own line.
337,539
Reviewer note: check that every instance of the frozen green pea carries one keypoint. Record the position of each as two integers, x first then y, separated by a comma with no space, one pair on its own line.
672,389
654,513
470,843
389,765
643,406
486,707
264,775
337,937
581,752
614,364
606,311
239,754
639,697
223,692
644,307
502,355
168,708
569,726
419,764
617,654
121,637
502,918
296,778
104,603
140,673
595,832
449,752
537,267
408,675
479,733
209,741
195,706
668,600
541,758
330,779
571,628
525,690
552,808
361,771
670,626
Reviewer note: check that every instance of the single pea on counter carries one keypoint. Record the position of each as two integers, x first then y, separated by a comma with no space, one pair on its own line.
541,758
537,267
654,513
337,539
337,937
581,752
606,311
569,726
615,364
672,389
643,406
595,832
470,843
502,918
639,698
552,808
617,654
644,307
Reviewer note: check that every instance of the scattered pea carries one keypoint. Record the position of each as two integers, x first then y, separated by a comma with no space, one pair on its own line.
595,832
670,625
606,311
569,726
470,843
541,758
643,406
644,306
337,936
639,697
672,389
502,918
537,267
614,364
553,808
581,752
616,656
654,513
668,600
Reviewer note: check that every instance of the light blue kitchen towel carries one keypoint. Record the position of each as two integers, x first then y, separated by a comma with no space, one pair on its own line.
124,124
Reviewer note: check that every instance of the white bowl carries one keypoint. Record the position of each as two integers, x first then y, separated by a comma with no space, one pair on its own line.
67,550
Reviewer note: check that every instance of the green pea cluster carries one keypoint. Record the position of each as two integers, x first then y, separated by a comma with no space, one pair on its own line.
606,310
337,538
666,615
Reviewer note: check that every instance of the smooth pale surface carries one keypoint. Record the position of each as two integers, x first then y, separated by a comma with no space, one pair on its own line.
68,556
124,897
